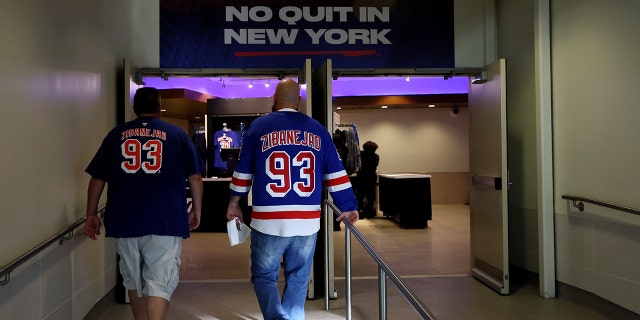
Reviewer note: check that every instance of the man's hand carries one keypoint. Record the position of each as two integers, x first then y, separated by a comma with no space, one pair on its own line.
92,226
352,216
194,219
234,211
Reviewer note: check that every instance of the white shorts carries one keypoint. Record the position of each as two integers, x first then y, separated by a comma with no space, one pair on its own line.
150,264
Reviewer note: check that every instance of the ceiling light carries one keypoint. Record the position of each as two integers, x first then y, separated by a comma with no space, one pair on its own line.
479,78
384,107
432,106
339,108
163,110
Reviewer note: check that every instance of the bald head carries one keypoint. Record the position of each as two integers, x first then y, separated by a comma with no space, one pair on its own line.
287,95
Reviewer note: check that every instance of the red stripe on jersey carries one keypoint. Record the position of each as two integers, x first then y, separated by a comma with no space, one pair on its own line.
286,215
338,181
240,182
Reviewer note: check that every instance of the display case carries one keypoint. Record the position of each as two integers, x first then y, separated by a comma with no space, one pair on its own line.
406,198
215,200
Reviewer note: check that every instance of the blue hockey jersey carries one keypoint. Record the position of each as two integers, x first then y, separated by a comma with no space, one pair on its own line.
145,163
224,139
285,160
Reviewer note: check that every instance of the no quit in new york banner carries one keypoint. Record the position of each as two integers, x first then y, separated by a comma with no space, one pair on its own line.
283,33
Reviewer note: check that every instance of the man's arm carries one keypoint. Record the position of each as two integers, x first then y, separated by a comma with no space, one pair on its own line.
94,191
195,184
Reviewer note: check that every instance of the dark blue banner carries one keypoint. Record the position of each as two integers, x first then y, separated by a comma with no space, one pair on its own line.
283,33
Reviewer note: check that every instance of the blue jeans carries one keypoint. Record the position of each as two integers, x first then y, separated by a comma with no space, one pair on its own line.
297,255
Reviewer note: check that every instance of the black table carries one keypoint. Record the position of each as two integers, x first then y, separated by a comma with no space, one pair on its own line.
406,198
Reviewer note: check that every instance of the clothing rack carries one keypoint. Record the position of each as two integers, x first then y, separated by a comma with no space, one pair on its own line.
353,144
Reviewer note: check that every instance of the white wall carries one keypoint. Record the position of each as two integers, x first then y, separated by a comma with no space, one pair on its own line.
594,56
595,50
415,140
424,140
59,62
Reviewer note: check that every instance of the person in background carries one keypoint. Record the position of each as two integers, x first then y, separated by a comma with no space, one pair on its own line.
367,179
286,158
146,163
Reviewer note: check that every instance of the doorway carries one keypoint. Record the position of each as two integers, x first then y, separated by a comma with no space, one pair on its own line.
444,123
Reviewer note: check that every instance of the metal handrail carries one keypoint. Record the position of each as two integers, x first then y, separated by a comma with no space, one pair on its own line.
384,270
578,203
60,237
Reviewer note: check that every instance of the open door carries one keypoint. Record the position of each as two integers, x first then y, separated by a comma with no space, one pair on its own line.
488,169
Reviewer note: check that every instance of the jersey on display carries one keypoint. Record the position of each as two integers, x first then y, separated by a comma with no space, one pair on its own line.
224,139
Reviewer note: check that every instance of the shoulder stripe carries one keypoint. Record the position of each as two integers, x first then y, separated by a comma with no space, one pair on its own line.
239,189
334,175
242,176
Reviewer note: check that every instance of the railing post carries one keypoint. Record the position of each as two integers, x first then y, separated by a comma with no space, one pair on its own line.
347,270
382,293
326,219
385,270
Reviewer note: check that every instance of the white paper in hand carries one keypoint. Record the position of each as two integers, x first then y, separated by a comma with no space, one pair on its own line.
238,232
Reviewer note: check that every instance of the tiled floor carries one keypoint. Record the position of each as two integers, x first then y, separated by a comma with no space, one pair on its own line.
434,262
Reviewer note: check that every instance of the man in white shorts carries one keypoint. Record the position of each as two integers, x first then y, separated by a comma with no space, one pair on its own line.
146,163
159,257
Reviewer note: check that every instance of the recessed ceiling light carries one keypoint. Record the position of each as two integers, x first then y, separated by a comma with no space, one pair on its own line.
384,107
432,106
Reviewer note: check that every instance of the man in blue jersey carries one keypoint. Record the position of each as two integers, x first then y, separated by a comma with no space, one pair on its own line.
146,163
286,159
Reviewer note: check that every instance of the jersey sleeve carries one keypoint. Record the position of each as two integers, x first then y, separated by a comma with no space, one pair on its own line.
242,177
98,167
337,181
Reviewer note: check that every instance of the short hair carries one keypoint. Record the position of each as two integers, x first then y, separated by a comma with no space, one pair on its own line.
146,100
370,146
